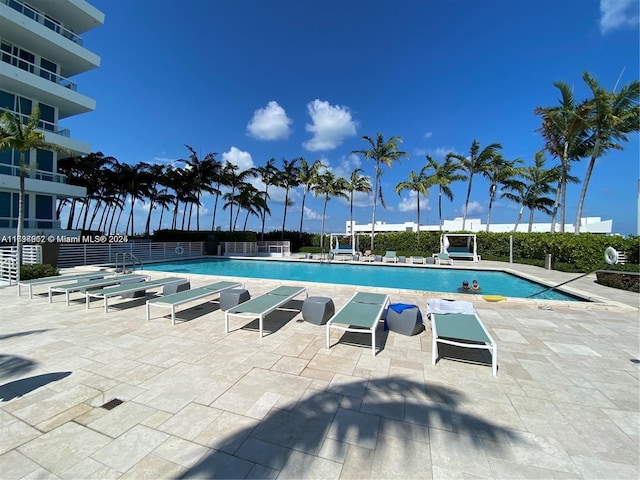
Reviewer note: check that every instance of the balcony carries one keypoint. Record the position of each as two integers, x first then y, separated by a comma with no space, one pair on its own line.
43,20
14,170
11,59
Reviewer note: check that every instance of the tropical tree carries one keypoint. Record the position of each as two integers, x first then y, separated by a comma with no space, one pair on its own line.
444,174
268,174
477,162
287,178
356,183
609,117
328,186
563,130
307,177
382,152
135,183
416,183
538,184
234,179
201,175
14,135
503,174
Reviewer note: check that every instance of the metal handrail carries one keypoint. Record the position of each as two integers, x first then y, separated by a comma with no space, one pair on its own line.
22,64
47,22
134,260
42,124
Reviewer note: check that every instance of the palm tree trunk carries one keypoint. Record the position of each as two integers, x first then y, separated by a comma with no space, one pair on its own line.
375,202
20,226
133,202
304,195
324,214
585,184
491,196
418,196
86,214
466,203
147,225
440,207
515,228
184,215
531,211
556,204
284,215
161,215
95,213
215,209
244,227
72,212
190,215
264,212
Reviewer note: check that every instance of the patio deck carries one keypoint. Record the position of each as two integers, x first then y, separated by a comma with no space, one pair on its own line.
197,402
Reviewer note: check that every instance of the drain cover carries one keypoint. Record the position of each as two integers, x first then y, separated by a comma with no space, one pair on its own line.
111,404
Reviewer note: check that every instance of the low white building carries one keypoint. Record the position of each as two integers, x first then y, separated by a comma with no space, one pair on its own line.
587,225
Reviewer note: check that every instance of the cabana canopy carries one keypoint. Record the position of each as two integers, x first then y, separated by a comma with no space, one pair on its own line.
344,243
460,245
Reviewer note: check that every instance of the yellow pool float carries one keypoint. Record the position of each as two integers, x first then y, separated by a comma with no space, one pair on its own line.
494,298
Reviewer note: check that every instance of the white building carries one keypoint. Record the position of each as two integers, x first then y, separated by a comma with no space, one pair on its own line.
40,51
587,225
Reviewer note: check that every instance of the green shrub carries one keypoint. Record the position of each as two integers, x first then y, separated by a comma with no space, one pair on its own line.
37,270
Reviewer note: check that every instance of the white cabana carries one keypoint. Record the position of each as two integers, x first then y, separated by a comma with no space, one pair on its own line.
460,245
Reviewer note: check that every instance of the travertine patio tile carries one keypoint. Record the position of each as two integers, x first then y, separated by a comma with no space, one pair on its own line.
153,467
290,365
90,469
64,417
333,363
396,457
458,452
383,404
571,349
406,430
504,469
303,465
79,442
333,450
508,335
14,465
260,472
358,463
263,453
355,428
15,433
125,451
597,468
181,452
121,419
227,432
189,422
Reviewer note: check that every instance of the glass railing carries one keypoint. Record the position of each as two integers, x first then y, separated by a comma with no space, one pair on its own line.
42,19
42,124
7,57
8,222
14,170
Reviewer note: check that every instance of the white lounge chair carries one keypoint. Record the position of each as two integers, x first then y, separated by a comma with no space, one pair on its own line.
131,289
360,314
62,278
82,287
186,296
261,306
390,256
459,329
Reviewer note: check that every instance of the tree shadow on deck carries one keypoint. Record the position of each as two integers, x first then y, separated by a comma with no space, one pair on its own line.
290,438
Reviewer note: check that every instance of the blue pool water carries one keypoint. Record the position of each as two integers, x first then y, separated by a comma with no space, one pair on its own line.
428,279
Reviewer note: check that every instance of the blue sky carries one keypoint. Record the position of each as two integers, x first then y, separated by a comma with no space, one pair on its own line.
251,80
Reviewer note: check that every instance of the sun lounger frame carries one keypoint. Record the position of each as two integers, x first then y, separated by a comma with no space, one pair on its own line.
481,338
281,295
95,284
127,288
187,296
62,278
359,325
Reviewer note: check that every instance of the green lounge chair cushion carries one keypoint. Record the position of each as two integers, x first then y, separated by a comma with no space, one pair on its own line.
186,295
460,326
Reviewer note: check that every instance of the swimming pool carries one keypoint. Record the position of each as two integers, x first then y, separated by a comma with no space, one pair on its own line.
427,279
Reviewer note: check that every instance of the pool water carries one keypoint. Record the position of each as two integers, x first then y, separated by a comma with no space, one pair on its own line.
409,278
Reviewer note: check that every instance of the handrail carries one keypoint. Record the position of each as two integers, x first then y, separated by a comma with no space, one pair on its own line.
42,124
22,64
134,260
11,269
48,22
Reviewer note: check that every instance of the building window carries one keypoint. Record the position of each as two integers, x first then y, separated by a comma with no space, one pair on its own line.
47,116
48,70
44,207
7,100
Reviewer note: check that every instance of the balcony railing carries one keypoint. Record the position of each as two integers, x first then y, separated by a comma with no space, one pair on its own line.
14,170
42,124
8,222
42,19
36,70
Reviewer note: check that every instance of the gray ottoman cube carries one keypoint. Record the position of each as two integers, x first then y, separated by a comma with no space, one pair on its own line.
231,298
408,322
318,310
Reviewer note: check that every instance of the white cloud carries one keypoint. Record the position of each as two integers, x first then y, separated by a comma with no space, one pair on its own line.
238,157
347,165
410,203
311,214
270,123
474,208
361,199
331,124
428,135
618,13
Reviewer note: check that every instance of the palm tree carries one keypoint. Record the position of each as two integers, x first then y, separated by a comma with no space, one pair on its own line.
563,130
329,186
381,152
503,174
135,183
287,178
157,191
443,176
537,186
610,116
477,162
307,177
202,174
234,179
14,135
416,183
268,174
356,183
